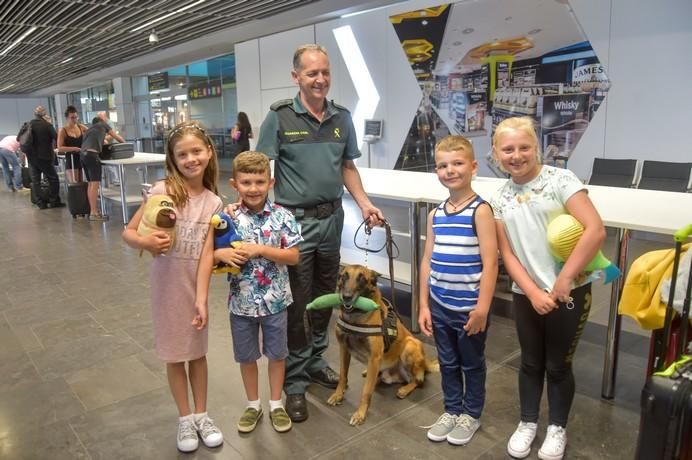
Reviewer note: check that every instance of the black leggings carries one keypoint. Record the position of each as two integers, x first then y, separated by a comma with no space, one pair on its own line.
548,343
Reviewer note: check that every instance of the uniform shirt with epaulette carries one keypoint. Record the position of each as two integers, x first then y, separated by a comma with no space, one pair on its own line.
308,155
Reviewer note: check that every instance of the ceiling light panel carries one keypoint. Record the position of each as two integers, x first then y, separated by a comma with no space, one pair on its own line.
96,34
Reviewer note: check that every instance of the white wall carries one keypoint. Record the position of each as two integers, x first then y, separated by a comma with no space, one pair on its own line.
263,71
391,73
15,111
644,46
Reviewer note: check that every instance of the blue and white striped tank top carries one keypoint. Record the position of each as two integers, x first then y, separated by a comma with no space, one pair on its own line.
456,266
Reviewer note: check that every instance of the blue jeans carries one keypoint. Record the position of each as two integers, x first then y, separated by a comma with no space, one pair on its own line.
462,361
10,159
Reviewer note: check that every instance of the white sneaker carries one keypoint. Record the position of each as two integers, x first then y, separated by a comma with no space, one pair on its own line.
553,447
187,435
209,433
519,445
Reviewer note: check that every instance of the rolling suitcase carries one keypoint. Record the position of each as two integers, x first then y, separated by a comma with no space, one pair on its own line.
26,177
43,192
77,200
665,426
117,151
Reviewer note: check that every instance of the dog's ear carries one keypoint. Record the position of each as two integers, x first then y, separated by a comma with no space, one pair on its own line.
340,278
376,275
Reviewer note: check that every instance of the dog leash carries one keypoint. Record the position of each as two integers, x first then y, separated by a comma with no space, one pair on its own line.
389,245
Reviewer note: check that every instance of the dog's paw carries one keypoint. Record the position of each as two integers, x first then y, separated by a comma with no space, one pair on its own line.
357,418
335,399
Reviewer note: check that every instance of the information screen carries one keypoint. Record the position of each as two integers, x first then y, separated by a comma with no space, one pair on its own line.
373,128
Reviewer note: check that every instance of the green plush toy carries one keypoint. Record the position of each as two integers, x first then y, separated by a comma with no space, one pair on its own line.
563,234
334,300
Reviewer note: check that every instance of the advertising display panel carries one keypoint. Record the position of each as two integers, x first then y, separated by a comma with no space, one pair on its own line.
487,61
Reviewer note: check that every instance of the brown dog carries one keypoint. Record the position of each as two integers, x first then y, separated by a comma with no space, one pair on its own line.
404,361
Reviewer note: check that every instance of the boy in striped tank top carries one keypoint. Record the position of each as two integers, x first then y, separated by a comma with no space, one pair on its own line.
457,278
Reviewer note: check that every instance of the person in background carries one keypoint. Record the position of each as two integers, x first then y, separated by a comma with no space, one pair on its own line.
551,303
70,143
9,145
260,294
41,158
457,280
92,143
241,133
313,144
180,279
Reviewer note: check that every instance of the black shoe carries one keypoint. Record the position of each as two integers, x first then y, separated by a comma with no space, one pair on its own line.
59,204
327,377
297,407
42,205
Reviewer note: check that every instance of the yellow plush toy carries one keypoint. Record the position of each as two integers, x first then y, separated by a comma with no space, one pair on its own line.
563,234
159,215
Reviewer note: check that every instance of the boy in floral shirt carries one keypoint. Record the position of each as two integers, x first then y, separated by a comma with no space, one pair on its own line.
260,293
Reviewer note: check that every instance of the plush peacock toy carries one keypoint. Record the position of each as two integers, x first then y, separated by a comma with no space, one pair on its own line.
335,300
563,234
225,236
159,214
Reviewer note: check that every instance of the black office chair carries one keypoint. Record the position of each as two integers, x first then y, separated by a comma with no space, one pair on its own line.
614,173
665,175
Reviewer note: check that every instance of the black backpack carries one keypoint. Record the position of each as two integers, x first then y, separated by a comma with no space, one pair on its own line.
25,138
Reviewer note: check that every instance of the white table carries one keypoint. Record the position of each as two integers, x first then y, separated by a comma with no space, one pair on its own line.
622,208
119,166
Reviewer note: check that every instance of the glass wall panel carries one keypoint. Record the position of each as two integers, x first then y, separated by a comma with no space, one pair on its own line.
204,91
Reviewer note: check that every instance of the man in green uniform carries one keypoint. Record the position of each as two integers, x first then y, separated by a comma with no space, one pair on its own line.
313,144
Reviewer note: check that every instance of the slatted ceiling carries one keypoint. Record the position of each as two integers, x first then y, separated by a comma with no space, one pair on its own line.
96,33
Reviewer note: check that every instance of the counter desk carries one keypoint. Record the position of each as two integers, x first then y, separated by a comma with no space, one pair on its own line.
622,208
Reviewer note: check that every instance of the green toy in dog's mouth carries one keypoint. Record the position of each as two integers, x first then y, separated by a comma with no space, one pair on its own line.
335,300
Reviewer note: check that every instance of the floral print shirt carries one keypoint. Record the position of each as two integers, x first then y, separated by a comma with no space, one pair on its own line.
262,288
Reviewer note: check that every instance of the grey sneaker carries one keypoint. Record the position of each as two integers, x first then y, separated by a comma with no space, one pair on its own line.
187,436
98,217
464,430
440,429
280,420
248,421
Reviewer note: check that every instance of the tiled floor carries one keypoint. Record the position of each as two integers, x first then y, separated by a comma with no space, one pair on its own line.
79,379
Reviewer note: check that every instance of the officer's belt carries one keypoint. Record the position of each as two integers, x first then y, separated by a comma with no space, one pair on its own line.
320,211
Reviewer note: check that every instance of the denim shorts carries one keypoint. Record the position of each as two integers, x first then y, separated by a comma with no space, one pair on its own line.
92,166
245,331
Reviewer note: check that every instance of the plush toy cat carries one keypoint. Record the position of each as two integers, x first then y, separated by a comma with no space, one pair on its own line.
159,215
225,236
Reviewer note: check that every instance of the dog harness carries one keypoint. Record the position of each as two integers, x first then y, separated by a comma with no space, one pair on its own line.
387,330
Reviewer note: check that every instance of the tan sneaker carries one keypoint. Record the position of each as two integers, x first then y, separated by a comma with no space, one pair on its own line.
280,420
248,421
